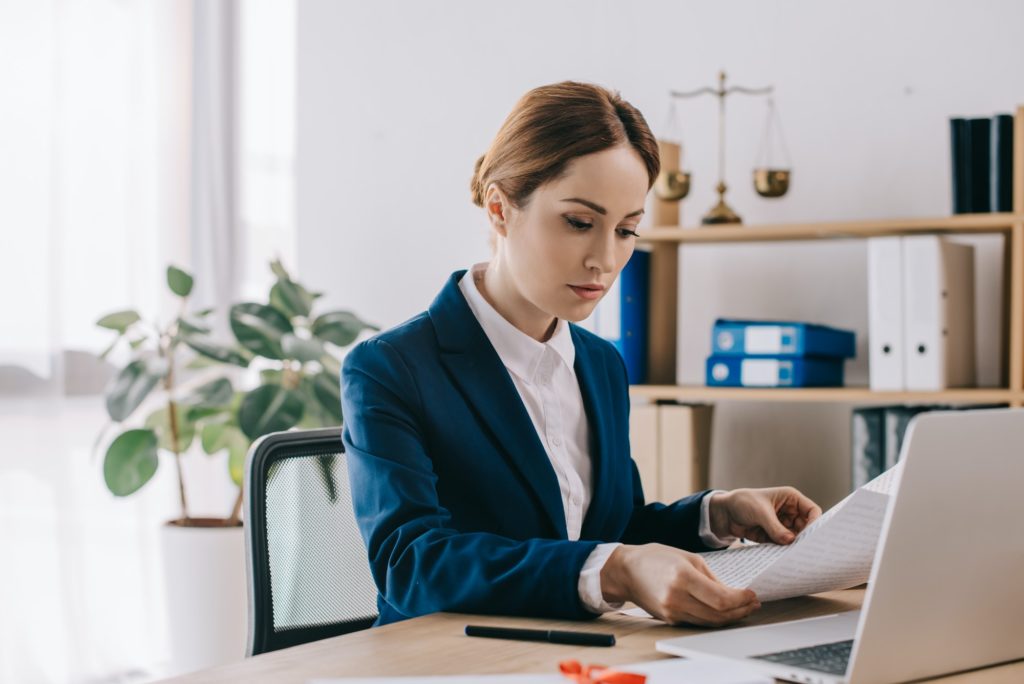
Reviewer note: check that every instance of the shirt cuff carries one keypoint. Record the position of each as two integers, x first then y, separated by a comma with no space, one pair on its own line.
709,538
589,585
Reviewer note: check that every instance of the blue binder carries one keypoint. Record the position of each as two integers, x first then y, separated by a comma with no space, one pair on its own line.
779,371
634,297
780,338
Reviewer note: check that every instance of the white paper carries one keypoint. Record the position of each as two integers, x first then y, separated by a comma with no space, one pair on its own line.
665,671
834,552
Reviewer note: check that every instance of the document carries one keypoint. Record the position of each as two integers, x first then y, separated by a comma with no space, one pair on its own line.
834,552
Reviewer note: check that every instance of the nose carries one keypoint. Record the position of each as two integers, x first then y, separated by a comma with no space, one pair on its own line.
601,253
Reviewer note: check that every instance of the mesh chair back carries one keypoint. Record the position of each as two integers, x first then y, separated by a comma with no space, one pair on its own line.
308,573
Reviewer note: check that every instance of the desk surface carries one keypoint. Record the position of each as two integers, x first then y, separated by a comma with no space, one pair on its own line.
435,644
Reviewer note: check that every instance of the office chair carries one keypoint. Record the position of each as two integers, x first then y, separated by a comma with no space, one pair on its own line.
306,565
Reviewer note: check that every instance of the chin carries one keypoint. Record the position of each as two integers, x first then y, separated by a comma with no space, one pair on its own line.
578,313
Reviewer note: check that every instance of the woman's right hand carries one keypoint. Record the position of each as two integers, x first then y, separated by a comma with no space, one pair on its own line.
673,585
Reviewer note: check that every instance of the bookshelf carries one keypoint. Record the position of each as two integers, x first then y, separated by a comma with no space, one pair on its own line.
666,241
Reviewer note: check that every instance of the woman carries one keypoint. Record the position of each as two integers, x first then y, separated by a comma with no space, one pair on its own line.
487,437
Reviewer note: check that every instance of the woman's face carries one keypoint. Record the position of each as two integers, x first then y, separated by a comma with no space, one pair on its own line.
566,246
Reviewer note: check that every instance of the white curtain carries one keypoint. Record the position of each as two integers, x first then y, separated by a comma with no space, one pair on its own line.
93,171
94,197
120,153
214,142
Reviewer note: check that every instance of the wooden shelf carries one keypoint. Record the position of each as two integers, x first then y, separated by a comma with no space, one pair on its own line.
665,241
962,223
860,395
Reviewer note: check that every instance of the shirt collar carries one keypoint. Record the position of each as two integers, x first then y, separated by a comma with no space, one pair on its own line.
520,353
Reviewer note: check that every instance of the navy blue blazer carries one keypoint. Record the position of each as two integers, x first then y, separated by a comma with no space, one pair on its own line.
453,491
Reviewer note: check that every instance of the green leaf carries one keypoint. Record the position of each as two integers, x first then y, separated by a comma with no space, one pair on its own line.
204,312
131,462
135,344
278,268
106,352
214,393
270,408
271,376
259,328
216,352
237,452
313,415
328,393
179,281
212,437
218,437
207,414
301,349
191,325
119,320
290,298
217,414
159,421
132,385
340,327
331,365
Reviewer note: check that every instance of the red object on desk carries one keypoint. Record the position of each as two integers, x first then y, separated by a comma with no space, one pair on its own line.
597,674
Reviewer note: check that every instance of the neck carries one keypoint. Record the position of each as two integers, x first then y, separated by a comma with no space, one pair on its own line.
499,291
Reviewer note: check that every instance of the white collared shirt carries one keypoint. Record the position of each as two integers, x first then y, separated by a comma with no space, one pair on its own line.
544,375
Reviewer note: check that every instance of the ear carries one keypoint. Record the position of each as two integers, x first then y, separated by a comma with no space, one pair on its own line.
497,205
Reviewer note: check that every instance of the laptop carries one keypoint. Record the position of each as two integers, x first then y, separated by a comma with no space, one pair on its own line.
945,592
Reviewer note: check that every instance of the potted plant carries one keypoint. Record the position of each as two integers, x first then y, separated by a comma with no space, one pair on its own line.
289,357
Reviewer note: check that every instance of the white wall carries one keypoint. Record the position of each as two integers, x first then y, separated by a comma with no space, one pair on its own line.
396,100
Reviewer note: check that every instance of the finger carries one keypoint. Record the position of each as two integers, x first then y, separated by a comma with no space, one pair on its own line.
777,531
813,512
758,535
805,507
704,568
810,517
696,612
719,596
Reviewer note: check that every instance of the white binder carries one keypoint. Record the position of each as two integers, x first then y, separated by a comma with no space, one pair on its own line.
938,304
885,313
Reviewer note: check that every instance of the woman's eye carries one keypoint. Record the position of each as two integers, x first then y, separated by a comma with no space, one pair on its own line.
626,232
577,224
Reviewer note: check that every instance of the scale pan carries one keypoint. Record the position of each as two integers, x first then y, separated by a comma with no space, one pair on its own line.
771,182
671,186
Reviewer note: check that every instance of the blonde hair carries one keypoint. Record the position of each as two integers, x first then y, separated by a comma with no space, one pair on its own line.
552,125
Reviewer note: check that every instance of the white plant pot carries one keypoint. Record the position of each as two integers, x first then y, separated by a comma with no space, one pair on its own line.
204,575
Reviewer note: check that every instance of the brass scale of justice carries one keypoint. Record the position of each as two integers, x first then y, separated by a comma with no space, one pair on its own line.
673,183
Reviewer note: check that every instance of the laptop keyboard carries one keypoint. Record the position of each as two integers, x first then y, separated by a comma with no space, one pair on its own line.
831,658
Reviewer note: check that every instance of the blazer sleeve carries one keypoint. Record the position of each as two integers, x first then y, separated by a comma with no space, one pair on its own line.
420,563
676,524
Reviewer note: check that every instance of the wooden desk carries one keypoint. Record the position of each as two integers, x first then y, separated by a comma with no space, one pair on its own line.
435,644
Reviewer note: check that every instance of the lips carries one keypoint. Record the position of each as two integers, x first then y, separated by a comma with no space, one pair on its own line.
590,292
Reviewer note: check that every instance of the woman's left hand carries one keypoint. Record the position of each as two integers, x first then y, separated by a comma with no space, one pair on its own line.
773,514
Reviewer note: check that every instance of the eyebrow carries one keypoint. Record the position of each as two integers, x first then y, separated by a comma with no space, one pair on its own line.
597,207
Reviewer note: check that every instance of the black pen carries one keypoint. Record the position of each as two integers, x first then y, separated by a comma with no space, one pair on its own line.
553,636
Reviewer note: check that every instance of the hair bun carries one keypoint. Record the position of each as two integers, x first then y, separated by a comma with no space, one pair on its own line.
474,184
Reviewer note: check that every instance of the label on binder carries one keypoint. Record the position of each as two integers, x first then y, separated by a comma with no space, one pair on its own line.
764,339
766,373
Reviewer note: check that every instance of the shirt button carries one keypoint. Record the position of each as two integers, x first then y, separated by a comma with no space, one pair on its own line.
557,441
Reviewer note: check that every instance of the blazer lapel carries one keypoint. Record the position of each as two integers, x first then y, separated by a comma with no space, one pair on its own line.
595,390
478,371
